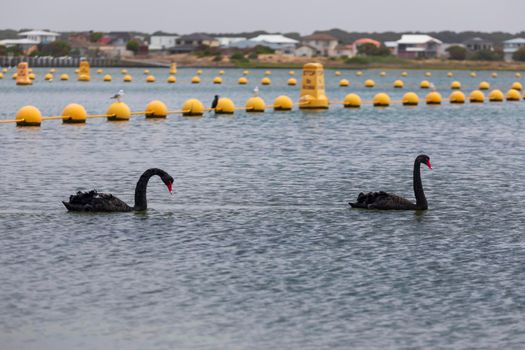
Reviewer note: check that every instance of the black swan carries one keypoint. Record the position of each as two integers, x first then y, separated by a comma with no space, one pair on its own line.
104,202
387,201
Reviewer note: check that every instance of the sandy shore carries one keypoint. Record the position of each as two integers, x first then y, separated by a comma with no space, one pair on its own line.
287,61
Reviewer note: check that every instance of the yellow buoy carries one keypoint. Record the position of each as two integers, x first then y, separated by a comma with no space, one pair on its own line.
513,95
146,72
433,98
124,71
221,72
100,71
217,80
173,68
359,73
1,75
4,70
156,109
404,74
425,84
107,77
192,108
30,70
292,73
369,83
266,81
171,79
428,74
496,96
196,80
255,104
517,75
410,99
455,85
150,79
14,76
75,113
344,82
398,84
225,106
28,116
22,74
52,70
283,103
517,86
450,74
381,100
199,72
245,72
457,97
313,95
337,73
64,77
382,74
84,71
292,82
473,74
352,101
128,78
268,72
477,96
494,75
48,76
243,81
77,71
32,76
118,111
484,85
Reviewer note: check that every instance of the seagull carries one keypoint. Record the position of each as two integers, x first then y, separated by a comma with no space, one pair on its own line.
256,92
118,95
215,102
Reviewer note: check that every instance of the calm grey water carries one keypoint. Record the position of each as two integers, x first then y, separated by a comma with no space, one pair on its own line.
258,248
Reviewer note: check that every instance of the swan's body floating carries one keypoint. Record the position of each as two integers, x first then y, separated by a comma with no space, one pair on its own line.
103,202
387,201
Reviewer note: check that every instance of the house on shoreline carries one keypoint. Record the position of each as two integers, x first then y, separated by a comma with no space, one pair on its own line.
418,46
511,46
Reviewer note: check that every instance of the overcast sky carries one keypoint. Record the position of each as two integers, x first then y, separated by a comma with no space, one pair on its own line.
304,16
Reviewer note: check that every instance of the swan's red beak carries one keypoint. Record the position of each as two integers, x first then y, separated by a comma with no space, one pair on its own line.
429,165
169,186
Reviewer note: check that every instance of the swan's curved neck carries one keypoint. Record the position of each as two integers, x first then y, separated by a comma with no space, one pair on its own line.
141,202
421,200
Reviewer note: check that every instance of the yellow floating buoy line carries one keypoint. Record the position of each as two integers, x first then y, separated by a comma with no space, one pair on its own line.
120,111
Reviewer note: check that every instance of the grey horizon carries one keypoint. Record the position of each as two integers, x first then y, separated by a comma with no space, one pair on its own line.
232,16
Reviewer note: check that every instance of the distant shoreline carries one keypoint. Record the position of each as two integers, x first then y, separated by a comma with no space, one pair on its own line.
297,63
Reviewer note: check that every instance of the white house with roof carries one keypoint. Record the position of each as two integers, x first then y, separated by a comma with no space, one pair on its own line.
324,43
276,42
418,46
40,36
159,42
225,41
511,46
24,44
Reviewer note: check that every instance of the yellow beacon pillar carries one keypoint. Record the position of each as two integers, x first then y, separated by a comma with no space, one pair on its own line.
83,71
313,94
22,74
173,68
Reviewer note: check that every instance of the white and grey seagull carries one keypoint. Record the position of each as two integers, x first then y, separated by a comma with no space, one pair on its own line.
118,95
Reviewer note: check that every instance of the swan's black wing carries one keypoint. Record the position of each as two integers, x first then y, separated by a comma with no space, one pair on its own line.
383,201
96,202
